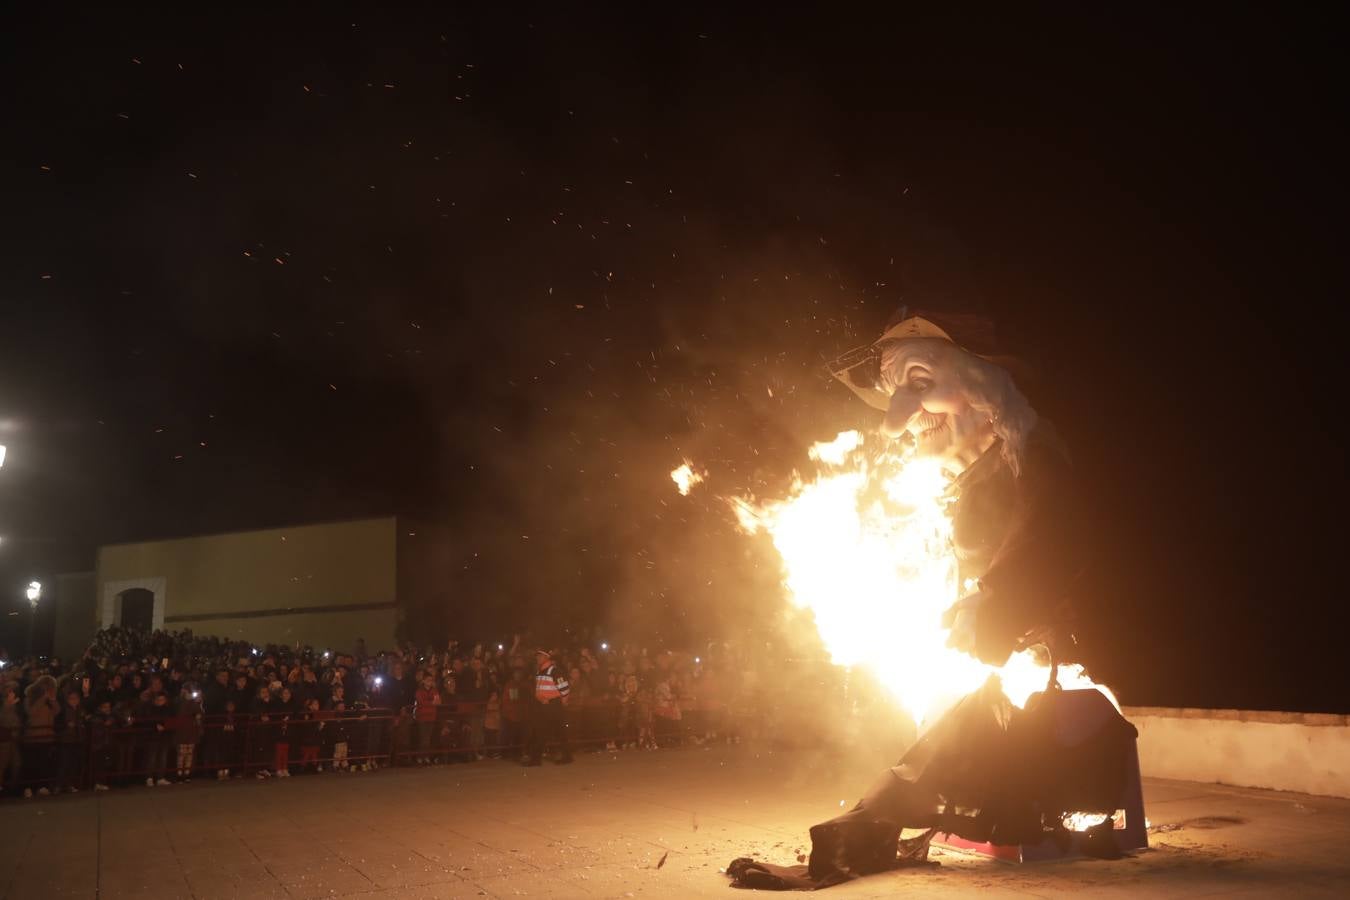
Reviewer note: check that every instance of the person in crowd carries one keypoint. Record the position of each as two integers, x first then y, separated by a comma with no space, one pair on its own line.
607,706
310,725
475,685
487,696
40,709
547,722
283,706
216,693
399,688
187,730
389,726
114,690
643,704
175,686
337,732
364,735
133,688
222,736
628,712
308,687
72,734
244,690
159,738
88,692
353,679
448,735
514,706
706,687
666,713
579,706
11,728
492,724
428,702
104,746
265,730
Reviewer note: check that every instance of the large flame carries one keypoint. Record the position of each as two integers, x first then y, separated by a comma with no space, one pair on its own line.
867,547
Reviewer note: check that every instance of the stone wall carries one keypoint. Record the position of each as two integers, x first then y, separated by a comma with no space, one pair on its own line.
1306,752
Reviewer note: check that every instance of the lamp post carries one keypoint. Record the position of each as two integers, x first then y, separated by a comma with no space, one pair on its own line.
34,594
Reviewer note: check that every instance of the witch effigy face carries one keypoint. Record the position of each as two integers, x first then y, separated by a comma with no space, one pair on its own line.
930,400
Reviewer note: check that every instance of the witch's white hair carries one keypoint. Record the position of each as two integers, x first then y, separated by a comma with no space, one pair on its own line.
991,392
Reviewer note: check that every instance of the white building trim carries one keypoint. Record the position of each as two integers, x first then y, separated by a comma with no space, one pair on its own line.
112,601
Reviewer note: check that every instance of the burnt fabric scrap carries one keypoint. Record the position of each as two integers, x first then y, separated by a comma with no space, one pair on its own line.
986,771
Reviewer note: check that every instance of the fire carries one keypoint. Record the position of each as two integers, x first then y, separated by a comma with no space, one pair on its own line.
866,546
1081,821
685,477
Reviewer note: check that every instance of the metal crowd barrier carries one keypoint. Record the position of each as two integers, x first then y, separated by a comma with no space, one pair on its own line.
248,745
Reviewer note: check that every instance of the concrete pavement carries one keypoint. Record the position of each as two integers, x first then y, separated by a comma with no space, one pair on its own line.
602,828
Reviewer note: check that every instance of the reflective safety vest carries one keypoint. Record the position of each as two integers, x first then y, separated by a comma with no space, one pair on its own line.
550,684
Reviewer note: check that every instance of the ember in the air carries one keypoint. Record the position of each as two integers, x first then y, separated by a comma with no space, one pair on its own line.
685,477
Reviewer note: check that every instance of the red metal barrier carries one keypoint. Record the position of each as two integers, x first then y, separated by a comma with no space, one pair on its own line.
244,745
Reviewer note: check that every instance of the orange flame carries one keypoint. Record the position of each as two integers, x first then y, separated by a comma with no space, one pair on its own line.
866,546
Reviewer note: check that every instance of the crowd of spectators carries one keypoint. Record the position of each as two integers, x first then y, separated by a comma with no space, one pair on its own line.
157,708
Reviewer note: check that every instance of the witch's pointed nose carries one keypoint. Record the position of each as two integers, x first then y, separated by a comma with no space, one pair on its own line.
902,409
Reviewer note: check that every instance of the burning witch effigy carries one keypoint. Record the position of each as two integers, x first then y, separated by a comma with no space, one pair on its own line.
946,563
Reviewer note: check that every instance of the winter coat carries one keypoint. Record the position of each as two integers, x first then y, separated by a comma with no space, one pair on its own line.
282,713
492,717
11,724
336,729
306,691
243,699
72,726
155,720
41,708
473,687
103,728
214,697
513,702
258,708
307,729
427,701
188,722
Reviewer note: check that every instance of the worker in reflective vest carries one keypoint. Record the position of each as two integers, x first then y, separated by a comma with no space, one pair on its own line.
548,713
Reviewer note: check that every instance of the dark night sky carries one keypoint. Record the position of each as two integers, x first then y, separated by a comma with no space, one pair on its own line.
502,271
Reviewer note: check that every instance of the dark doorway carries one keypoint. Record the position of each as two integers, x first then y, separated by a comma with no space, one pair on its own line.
138,609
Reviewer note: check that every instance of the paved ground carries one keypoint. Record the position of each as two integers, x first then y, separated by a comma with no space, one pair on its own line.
601,828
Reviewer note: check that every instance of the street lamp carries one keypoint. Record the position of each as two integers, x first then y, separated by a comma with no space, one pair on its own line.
34,594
